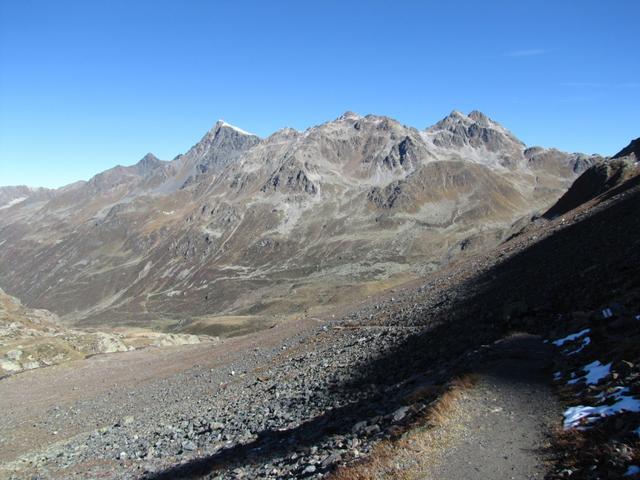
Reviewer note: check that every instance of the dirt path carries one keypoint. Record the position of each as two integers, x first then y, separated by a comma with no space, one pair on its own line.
500,428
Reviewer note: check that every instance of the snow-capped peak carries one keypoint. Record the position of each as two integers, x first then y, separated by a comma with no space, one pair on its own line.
222,123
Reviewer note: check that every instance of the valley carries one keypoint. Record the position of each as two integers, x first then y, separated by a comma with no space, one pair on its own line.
259,315
408,249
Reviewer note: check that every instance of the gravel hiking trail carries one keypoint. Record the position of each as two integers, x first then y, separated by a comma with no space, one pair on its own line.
500,428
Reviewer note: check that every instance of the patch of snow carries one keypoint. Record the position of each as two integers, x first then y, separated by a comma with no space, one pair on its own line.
595,372
233,127
607,313
570,338
632,470
13,202
169,213
575,416
637,431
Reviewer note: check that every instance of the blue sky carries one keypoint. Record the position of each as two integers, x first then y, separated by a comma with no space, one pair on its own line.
85,85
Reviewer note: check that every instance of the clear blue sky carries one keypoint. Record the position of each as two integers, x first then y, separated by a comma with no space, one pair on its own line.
85,85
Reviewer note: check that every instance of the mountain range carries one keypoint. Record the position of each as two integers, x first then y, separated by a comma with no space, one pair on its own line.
240,231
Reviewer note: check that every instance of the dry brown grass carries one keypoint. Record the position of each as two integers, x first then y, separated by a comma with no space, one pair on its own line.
403,456
440,409
569,439
604,451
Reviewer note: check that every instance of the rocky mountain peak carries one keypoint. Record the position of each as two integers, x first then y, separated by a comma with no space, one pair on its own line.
220,146
222,126
224,135
474,117
475,130
480,118
286,133
149,157
454,118
147,163
456,114
362,125
349,115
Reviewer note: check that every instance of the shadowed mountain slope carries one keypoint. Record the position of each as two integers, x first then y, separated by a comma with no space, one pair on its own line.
601,177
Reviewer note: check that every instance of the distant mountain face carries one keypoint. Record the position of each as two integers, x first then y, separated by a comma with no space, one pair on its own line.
250,228
10,196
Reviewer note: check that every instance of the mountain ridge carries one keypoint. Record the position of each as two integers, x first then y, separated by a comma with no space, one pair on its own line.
478,116
236,224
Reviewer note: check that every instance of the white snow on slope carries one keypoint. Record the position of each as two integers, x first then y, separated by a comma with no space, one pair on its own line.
632,470
233,127
595,372
13,202
570,338
575,416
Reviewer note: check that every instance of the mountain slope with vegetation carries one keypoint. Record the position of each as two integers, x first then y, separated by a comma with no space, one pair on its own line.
241,232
